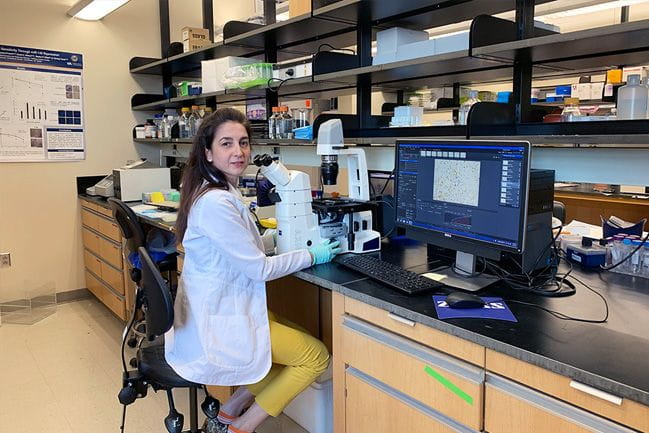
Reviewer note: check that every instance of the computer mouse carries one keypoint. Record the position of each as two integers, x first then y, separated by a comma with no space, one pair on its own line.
464,300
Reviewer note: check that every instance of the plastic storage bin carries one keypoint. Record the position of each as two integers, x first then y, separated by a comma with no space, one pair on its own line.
247,76
213,71
313,408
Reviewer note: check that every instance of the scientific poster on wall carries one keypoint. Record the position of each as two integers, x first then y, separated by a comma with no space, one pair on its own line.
41,105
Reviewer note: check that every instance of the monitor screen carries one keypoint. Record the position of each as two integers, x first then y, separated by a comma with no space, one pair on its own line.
467,190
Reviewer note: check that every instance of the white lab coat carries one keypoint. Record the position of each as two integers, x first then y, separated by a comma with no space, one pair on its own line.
220,334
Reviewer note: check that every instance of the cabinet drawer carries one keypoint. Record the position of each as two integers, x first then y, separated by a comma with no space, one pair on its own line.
627,412
89,205
439,381
91,241
104,211
92,262
113,278
114,302
110,252
106,296
110,229
439,340
94,285
374,407
180,261
90,219
510,407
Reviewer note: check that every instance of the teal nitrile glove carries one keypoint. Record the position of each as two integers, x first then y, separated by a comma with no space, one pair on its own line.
324,252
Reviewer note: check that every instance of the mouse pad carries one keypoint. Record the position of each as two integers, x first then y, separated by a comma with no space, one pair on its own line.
495,308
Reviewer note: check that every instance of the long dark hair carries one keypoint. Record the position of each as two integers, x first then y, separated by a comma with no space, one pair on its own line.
199,170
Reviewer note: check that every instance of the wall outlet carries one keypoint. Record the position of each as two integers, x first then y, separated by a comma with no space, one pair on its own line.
5,260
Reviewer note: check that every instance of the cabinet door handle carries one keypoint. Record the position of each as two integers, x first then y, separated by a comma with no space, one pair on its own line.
596,392
401,319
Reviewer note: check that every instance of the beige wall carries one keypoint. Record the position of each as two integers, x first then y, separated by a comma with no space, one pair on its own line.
39,215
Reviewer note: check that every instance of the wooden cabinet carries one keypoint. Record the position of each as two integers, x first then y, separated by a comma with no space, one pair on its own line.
462,349
392,374
103,257
511,407
589,208
440,382
372,407
389,371
106,295
623,411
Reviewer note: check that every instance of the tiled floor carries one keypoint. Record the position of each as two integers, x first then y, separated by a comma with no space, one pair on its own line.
62,375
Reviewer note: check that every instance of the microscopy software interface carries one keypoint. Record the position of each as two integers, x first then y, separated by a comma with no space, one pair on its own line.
468,190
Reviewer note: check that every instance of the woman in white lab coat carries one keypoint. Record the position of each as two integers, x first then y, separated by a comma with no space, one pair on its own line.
222,332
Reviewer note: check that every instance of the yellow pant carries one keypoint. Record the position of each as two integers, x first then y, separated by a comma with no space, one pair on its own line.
298,359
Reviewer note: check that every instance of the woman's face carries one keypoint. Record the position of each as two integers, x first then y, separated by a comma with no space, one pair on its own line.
230,151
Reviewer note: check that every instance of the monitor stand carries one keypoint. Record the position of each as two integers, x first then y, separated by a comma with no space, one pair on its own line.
463,277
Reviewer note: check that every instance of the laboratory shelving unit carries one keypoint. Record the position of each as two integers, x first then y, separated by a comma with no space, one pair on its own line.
499,51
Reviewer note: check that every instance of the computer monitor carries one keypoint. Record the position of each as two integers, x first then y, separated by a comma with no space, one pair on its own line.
467,195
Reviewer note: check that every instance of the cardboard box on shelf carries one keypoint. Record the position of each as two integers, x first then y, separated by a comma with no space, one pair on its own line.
298,7
195,38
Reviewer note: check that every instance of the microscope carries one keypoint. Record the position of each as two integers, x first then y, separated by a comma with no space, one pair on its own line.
303,222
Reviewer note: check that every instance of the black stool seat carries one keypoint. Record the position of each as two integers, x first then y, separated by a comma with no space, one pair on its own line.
152,364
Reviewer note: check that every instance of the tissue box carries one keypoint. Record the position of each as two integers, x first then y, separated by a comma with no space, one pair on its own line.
213,71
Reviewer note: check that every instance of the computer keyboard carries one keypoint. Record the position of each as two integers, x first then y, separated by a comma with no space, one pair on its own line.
389,274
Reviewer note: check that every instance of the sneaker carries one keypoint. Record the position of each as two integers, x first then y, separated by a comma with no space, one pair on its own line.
214,426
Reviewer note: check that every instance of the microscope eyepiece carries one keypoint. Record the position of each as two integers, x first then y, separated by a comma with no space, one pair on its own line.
262,160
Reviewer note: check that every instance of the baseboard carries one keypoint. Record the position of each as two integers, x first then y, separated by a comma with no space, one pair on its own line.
73,295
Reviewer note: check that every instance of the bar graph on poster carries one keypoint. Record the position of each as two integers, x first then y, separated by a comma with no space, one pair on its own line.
41,105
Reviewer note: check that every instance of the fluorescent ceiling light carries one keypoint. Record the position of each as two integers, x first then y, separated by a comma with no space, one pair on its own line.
598,7
547,11
93,10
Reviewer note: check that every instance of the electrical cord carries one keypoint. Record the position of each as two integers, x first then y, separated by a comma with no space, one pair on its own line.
563,316
284,80
608,268
126,332
547,282
281,82
334,48
121,427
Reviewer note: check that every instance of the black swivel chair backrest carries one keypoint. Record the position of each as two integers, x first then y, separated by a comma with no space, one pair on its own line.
128,223
559,211
155,299
158,303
